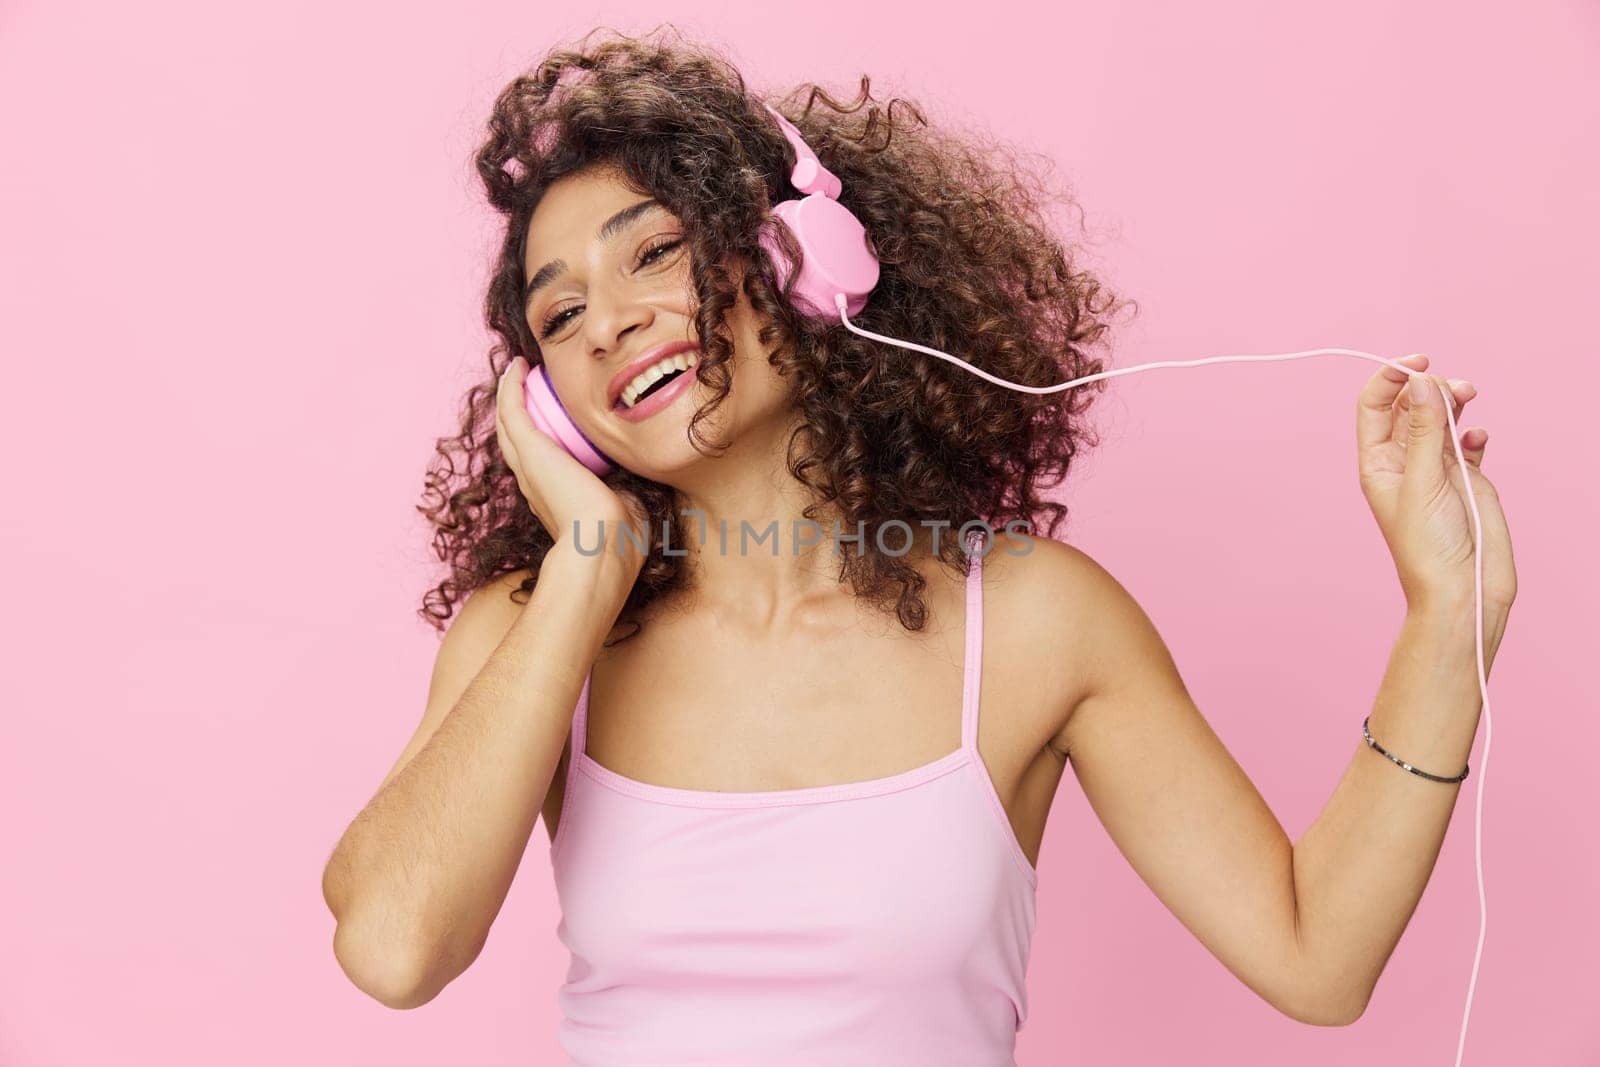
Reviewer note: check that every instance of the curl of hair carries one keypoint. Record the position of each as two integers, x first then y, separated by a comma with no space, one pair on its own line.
969,265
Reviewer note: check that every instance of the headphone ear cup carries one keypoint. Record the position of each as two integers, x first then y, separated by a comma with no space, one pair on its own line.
835,256
551,419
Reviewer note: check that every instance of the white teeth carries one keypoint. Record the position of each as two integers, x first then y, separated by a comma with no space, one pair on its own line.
654,373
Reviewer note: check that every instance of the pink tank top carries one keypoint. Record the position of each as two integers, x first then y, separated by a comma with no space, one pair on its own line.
883,922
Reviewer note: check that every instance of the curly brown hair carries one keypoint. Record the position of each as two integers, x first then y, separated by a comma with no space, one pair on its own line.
969,265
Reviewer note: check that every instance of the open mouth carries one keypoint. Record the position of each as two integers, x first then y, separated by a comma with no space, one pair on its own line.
655,378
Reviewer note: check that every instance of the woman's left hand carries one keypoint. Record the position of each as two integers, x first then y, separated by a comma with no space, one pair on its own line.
1413,483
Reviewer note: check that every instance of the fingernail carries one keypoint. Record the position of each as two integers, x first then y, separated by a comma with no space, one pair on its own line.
1419,389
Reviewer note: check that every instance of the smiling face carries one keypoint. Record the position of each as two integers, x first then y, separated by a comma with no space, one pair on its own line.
609,282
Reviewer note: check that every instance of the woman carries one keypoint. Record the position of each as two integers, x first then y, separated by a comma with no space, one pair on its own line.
785,827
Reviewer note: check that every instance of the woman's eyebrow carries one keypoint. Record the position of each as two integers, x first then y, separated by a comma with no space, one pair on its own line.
608,229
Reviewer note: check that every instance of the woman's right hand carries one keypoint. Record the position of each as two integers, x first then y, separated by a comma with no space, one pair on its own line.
559,489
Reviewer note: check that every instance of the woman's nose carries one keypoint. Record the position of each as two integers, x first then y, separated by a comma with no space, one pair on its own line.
611,318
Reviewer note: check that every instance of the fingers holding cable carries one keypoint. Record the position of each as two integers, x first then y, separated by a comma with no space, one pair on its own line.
1376,425
1460,391
1473,442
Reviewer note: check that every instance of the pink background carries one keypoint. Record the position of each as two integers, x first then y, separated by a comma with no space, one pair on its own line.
239,292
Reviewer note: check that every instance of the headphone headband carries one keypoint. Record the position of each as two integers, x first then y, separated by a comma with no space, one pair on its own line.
809,175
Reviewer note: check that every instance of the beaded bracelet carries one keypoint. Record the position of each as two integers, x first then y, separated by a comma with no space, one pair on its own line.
1431,777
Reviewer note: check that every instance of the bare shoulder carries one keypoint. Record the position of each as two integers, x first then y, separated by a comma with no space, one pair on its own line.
485,616
481,623
1118,658
1072,624
1049,583
470,638
1051,600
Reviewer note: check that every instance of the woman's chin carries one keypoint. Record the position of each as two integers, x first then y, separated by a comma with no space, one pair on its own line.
659,445
661,451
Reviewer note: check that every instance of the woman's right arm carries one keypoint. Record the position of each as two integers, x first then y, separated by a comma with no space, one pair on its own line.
420,874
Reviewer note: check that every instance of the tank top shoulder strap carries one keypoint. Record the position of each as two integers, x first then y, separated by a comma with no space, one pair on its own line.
972,670
580,715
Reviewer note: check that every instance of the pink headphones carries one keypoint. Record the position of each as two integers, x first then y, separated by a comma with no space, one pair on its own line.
835,261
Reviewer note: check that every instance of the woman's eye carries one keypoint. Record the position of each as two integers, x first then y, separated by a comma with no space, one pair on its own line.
554,322
650,253
560,318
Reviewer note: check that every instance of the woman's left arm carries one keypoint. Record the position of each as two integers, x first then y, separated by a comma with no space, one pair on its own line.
1361,867
1309,926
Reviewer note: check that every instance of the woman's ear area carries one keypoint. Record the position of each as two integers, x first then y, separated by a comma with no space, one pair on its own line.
754,289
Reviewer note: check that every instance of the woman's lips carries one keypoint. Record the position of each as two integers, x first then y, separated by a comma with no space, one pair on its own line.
659,399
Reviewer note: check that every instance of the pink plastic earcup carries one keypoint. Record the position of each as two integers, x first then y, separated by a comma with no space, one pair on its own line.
834,255
550,416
